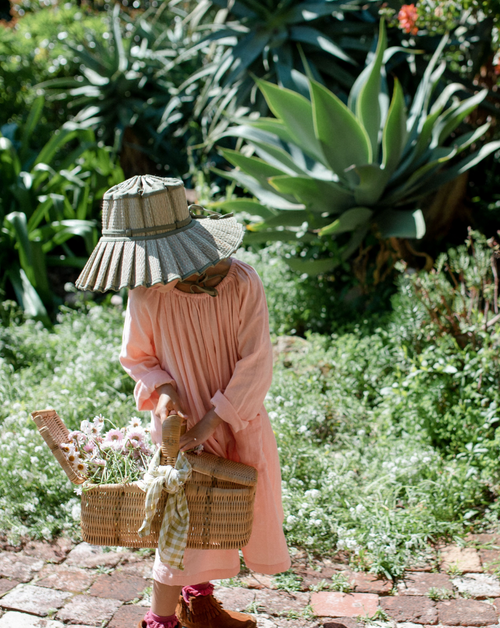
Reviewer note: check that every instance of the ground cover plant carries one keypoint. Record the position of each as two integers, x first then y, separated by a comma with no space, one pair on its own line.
362,470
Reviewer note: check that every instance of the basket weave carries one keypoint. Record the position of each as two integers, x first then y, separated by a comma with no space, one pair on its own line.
220,496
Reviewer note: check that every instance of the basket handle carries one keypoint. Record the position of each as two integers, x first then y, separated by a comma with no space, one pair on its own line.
171,429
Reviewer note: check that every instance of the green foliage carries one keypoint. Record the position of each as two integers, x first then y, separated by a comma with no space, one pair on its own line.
73,368
247,38
296,302
440,594
126,80
305,185
33,50
353,415
288,581
43,204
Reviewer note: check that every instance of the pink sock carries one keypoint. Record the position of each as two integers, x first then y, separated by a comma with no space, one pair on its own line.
205,588
156,621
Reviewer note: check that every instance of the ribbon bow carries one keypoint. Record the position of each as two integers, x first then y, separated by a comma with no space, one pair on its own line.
174,527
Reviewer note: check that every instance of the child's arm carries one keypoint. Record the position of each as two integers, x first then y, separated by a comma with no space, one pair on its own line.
138,356
243,397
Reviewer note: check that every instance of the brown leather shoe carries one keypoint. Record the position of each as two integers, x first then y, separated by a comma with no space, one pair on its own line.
207,612
142,624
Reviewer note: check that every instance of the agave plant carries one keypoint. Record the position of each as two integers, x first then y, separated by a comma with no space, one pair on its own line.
42,208
265,38
127,88
323,168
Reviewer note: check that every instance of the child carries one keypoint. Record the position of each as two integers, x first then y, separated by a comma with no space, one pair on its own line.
196,341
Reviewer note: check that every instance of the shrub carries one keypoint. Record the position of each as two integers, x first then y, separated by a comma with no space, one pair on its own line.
306,187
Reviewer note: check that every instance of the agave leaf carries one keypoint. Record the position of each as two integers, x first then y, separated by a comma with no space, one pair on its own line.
401,224
337,127
465,140
26,294
350,220
394,134
270,199
285,235
367,102
279,158
285,218
318,196
421,175
462,166
308,11
253,166
443,129
296,113
314,266
371,184
244,205
424,93
270,125
309,35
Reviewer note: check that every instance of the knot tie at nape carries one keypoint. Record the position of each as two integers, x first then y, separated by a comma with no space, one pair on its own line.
175,524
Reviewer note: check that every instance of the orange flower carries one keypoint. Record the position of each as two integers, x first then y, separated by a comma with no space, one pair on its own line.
407,17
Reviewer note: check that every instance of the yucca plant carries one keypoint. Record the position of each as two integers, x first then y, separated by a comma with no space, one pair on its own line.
322,168
44,203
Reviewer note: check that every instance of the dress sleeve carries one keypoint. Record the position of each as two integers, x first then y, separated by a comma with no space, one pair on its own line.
138,355
243,398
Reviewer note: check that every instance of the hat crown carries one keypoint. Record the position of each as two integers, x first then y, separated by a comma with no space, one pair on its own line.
145,204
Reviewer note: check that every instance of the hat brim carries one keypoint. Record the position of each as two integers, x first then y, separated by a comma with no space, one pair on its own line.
133,262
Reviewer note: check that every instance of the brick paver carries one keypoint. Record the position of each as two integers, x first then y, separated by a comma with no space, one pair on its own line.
35,600
344,604
415,609
466,613
53,585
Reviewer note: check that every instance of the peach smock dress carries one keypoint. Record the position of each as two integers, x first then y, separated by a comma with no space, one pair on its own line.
217,352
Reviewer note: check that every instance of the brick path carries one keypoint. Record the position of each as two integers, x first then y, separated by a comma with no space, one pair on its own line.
51,585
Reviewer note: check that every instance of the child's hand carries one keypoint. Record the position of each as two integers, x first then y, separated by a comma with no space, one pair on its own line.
168,403
198,434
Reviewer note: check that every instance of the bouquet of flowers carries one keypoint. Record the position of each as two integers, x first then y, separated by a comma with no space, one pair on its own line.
117,456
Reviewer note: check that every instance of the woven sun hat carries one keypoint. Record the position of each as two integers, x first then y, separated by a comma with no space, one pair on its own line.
150,237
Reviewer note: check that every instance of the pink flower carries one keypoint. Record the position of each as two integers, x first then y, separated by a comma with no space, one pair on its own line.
407,17
113,436
89,447
76,436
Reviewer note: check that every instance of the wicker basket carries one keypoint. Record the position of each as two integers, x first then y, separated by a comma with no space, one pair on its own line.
220,496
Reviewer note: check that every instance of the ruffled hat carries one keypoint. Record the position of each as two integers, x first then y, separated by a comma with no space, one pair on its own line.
150,237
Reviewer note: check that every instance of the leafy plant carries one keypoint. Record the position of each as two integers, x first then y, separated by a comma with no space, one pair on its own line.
127,91
324,169
262,38
288,581
459,297
33,50
440,594
42,207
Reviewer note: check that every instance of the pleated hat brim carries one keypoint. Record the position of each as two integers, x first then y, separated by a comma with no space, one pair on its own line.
134,262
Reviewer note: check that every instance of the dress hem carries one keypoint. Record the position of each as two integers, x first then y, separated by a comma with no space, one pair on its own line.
204,576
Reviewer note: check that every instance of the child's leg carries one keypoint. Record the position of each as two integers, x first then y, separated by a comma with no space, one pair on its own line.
165,599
